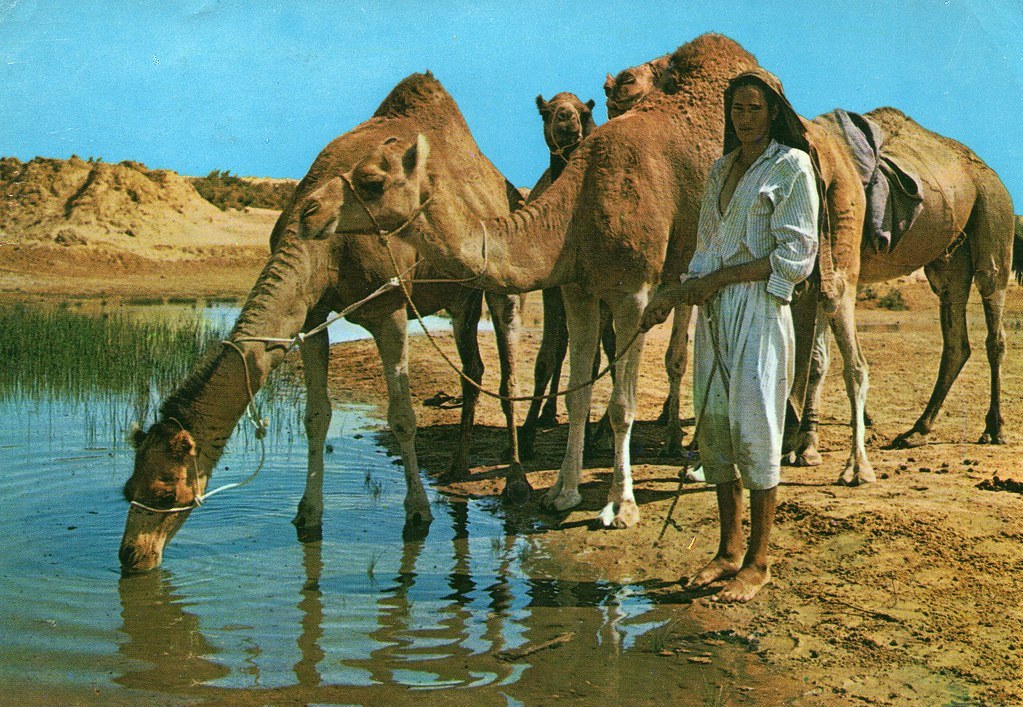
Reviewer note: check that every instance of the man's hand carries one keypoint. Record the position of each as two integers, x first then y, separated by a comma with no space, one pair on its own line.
660,305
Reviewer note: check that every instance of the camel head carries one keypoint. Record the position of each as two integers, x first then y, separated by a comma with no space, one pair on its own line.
390,182
632,85
566,121
165,477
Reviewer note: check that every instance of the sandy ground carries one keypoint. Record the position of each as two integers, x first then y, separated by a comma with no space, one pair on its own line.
904,592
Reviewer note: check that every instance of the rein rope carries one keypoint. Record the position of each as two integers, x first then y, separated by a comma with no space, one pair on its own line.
385,237
261,426
689,454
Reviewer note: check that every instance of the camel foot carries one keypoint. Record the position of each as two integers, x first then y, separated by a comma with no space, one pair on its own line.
548,418
516,487
415,529
308,533
908,440
308,522
417,508
718,568
626,516
743,586
856,474
808,457
558,499
458,471
991,438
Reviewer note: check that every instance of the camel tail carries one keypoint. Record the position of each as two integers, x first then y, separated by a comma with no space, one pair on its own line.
1017,253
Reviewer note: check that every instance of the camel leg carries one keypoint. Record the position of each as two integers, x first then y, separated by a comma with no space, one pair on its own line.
621,510
990,233
582,314
675,362
858,469
465,317
308,521
994,306
950,280
805,452
391,338
607,342
547,369
506,315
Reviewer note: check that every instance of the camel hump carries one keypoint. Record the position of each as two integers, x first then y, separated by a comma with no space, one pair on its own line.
413,93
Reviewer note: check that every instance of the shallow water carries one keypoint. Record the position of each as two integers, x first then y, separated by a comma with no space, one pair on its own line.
242,611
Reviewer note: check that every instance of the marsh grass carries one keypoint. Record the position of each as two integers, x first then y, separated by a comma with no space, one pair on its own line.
118,367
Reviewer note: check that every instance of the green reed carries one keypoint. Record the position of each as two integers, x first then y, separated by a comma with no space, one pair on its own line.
123,363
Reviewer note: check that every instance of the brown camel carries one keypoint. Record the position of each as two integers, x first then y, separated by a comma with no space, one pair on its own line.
621,215
566,122
964,234
307,277
979,219
634,84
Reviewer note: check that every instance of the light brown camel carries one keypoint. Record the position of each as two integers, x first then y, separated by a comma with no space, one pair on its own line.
964,234
566,122
621,215
634,84
304,280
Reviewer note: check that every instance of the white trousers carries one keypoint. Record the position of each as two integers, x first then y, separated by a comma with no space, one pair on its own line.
750,333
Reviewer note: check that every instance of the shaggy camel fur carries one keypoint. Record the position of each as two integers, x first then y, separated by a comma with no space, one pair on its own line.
566,122
622,214
307,276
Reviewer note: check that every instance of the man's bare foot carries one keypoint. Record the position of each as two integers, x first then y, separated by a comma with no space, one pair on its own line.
743,586
718,568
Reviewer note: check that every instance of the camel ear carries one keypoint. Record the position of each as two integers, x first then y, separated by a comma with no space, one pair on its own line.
591,103
609,83
541,104
182,445
414,159
136,436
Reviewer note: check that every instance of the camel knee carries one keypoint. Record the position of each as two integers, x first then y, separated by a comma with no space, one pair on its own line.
619,416
316,424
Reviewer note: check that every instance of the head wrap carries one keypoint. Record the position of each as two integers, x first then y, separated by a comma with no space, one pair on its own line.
787,128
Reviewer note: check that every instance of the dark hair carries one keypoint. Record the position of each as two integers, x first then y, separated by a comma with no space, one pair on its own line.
753,82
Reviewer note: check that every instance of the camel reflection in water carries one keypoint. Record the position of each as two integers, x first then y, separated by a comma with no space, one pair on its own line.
438,622
166,640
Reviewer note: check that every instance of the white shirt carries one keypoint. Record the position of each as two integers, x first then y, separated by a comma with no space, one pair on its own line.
773,212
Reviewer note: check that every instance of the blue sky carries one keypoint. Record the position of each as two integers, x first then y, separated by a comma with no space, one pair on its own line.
259,88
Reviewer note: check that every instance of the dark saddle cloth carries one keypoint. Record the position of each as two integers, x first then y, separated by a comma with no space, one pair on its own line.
894,196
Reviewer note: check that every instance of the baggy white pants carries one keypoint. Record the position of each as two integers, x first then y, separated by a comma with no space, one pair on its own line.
743,423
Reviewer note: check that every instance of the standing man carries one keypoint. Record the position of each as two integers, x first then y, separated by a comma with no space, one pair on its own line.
757,240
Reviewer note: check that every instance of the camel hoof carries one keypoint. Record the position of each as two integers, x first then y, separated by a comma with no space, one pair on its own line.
858,478
517,492
626,517
562,501
457,472
416,528
988,438
908,440
308,533
808,457
547,419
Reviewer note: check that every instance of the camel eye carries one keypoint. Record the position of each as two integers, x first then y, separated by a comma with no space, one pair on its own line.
627,80
371,187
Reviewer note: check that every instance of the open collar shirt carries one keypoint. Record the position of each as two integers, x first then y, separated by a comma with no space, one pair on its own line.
773,212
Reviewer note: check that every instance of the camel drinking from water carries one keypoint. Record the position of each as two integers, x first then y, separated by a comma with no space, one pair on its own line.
309,274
